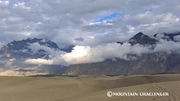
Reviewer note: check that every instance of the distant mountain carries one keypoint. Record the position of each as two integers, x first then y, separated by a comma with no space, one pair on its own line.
142,39
14,54
67,48
24,44
168,36
147,63
24,49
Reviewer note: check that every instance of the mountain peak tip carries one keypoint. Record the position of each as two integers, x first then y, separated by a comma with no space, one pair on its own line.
139,34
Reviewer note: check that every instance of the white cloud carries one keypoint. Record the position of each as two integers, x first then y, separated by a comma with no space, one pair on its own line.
87,54
4,2
54,55
167,46
39,61
22,5
36,46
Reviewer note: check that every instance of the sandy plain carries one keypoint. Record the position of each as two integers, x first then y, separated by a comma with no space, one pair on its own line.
89,88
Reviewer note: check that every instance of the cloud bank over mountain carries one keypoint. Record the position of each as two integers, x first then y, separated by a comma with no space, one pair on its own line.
88,54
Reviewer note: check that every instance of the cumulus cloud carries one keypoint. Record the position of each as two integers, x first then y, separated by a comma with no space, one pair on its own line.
87,54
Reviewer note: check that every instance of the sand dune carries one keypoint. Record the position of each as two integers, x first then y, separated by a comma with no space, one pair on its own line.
88,88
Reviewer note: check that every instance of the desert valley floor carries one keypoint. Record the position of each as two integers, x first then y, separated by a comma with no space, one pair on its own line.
88,88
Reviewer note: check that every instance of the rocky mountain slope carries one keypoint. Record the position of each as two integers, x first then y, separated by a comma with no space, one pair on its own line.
147,63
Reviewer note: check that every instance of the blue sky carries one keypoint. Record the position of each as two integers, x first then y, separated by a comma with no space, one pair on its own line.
109,17
149,10
115,15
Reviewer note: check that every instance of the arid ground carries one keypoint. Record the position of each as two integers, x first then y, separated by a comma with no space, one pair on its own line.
89,88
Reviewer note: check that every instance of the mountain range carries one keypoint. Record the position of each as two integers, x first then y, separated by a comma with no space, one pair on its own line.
147,63
13,58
